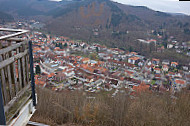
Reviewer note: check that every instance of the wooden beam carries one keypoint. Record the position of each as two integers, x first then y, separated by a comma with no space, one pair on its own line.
19,71
18,95
9,78
12,30
19,32
27,69
14,76
16,39
12,59
12,47
19,108
4,84
23,70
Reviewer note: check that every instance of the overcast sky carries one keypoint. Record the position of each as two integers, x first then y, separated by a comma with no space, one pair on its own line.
161,5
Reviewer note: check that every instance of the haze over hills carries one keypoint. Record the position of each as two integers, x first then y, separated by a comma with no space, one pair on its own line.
4,17
30,7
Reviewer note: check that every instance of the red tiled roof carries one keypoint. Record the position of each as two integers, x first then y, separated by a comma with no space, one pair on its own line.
174,63
141,87
158,69
134,53
154,59
180,82
85,59
134,58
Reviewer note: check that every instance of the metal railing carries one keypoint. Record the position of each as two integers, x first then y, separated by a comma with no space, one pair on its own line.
16,74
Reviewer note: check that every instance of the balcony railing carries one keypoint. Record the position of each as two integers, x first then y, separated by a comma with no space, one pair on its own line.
16,74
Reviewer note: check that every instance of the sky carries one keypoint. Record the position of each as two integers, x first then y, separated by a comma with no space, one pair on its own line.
173,6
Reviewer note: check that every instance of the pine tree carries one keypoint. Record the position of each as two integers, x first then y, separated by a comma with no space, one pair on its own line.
65,45
97,50
130,49
38,70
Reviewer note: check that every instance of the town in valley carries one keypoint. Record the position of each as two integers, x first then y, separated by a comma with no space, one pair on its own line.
64,64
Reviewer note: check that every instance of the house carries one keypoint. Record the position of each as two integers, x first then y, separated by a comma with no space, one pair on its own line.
130,54
90,78
41,83
98,82
108,87
157,70
179,83
129,73
85,60
174,64
141,88
187,77
158,76
169,46
149,63
165,62
185,68
133,53
171,74
178,75
155,61
93,62
133,60
176,47
69,73
51,75
140,64
165,68
148,68
188,53
116,51
60,76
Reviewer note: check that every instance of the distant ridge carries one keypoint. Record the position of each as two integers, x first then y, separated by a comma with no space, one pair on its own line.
178,14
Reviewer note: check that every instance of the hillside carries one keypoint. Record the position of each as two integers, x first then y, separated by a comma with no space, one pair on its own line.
172,24
4,17
27,8
114,24
99,20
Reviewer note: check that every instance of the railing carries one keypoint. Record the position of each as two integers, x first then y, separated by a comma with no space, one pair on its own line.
16,81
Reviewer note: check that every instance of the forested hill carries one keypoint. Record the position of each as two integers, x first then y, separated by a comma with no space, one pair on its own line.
29,8
115,24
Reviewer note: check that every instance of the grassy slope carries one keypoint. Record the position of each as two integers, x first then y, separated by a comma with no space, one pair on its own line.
148,109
